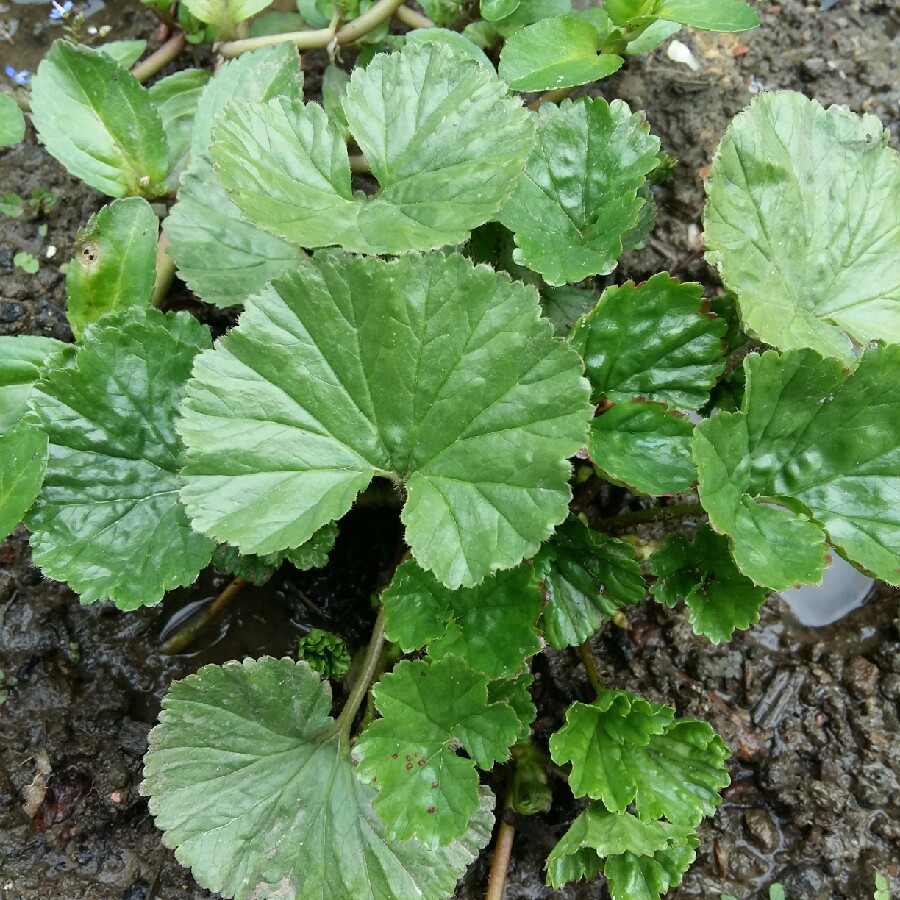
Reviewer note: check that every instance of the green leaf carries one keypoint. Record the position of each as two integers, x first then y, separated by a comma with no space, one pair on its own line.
645,447
477,411
108,520
334,89
12,121
175,98
653,341
256,798
586,575
803,224
515,692
579,194
325,653
225,14
27,262
626,750
632,877
492,627
453,39
652,36
115,263
23,460
125,53
823,445
440,136
555,53
494,10
709,15
257,76
21,360
530,11
702,573
624,12
565,305
221,256
97,120
426,790
442,12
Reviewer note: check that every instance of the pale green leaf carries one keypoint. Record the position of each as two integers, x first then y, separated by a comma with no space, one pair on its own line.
632,877
453,39
530,11
585,575
115,262
494,10
579,193
652,36
12,121
803,223
555,53
477,410
645,447
824,446
23,459
623,12
702,573
626,750
334,88
125,53
440,135
108,520
653,341
175,98
99,122
225,14
257,76
222,257
709,15
252,795
21,360
426,790
492,627
442,12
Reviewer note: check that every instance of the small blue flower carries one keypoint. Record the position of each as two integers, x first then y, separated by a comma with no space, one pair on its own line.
61,10
21,77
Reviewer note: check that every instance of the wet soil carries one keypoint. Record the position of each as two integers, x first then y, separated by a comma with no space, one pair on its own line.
811,715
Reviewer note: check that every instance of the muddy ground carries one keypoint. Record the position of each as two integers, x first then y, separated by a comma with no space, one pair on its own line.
812,715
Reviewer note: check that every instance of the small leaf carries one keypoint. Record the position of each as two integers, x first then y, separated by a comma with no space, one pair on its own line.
651,37
115,263
492,627
555,53
125,53
477,413
225,14
270,805
579,193
709,15
645,447
99,122
12,121
824,446
651,341
108,520
702,573
439,133
23,460
515,692
21,360
626,750
632,877
586,575
258,76
204,223
334,89
426,790
565,305
802,222
453,39
442,12
494,10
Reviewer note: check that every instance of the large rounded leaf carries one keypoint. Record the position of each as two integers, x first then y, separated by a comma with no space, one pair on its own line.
803,222
427,370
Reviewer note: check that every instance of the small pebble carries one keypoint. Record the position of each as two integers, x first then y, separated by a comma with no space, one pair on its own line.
861,677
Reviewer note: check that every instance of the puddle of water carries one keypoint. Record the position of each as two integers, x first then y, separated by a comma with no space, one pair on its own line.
842,590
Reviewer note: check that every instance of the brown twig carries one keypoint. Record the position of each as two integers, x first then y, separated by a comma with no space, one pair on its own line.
412,18
160,58
590,665
184,637
506,835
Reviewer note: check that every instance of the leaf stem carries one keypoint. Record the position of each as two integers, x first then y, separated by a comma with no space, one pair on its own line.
590,665
165,272
506,835
160,58
412,18
653,514
557,95
184,637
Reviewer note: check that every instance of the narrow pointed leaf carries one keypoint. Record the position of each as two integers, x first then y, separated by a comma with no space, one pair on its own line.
225,14
652,341
585,575
268,806
709,15
821,444
12,121
23,460
221,256
555,53
579,193
702,573
645,447
21,359
478,411
99,122
426,790
115,263
440,135
108,520
492,627
803,224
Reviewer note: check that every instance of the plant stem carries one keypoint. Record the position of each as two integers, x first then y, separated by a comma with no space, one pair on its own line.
368,21
165,272
411,18
160,58
506,834
359,165
184,637
590,665
344,721
654,514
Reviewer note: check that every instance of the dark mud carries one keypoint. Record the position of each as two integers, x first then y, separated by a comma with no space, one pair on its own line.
812,715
